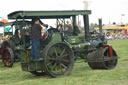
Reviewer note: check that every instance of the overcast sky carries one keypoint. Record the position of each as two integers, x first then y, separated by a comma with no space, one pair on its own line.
108,10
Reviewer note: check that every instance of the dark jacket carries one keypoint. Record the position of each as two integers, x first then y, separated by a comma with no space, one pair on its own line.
36,31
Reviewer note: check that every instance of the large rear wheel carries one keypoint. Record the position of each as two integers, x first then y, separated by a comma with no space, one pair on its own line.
8,57
58,59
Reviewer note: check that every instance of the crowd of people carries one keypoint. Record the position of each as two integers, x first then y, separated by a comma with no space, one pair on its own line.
116,37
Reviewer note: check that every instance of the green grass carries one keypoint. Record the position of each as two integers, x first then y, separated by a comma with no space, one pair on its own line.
81,74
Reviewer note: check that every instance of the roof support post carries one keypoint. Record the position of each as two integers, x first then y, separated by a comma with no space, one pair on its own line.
74,20
86,27
23,36
74,24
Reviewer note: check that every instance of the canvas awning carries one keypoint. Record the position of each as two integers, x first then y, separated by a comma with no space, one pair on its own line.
126,27
4,21
113,27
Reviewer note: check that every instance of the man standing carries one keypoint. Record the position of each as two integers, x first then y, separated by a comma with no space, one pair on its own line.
36,36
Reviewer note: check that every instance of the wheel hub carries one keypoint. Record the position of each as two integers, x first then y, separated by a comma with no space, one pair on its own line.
59,59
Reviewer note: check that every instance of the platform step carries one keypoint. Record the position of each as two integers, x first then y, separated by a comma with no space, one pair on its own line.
32,66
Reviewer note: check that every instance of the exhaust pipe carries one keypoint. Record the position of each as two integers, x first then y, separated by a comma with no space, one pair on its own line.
100,25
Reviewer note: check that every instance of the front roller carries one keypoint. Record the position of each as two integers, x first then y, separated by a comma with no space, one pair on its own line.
103,58
58,59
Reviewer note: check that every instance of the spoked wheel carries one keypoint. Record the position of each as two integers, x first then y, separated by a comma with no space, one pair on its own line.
38,73
8,57
107,61
58,59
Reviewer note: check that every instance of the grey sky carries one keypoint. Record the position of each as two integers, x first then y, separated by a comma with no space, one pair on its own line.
108,10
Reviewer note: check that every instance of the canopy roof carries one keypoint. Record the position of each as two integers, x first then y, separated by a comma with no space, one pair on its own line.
4,21
47,14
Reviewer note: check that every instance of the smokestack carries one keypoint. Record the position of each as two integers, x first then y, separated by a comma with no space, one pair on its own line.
100,25
85,4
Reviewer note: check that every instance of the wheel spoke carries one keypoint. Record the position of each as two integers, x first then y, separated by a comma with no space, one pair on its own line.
55,51
63,65
65,55
62,52
49,63
66,60
56,69
51,58
61,68
53,67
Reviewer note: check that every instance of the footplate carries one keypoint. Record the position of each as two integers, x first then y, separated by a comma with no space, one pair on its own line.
32,66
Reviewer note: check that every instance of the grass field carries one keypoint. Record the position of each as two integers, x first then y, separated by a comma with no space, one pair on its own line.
81,74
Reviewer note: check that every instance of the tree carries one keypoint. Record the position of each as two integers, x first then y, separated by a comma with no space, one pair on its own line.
93,25
114,23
